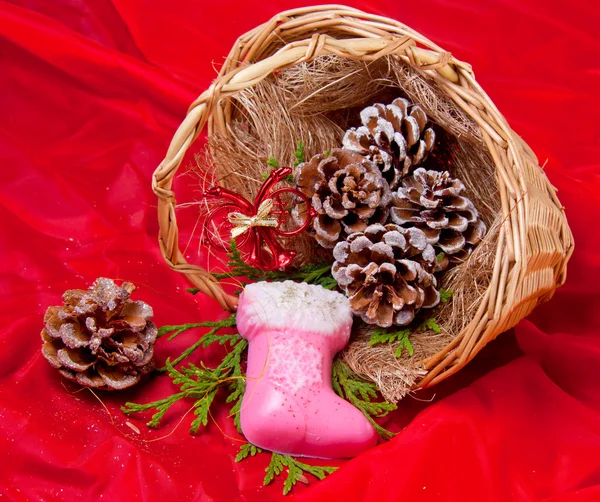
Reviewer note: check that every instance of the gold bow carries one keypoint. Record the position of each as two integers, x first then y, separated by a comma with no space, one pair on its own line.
242,222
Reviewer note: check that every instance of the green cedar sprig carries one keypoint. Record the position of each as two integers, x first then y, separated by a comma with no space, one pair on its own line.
445,295
429,323
362,394
295,469
202,383
204,341
319,273
247,450
384,335
274,164
299,153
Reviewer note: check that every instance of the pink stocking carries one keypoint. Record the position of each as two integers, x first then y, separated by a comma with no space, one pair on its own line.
294,330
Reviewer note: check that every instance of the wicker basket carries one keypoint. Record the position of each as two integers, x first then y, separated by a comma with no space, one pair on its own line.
534,242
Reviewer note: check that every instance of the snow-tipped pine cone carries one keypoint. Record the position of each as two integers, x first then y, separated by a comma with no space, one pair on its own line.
432,202
386,272
100,338
346,190
396,137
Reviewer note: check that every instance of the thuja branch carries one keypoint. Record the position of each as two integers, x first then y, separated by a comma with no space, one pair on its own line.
387,335
299,153
202,383
319,273
295,470
274,164
362,394
299,157
383,335
204,341
180,328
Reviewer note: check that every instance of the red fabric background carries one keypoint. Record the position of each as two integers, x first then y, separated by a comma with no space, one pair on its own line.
90,94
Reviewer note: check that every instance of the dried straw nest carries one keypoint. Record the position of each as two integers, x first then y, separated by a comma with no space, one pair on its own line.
305,74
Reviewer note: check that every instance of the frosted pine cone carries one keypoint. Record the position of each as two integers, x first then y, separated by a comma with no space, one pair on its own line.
386,274
100,338
432,202
347,191
396,137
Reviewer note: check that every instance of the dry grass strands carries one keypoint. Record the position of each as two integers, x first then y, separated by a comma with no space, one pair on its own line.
305,75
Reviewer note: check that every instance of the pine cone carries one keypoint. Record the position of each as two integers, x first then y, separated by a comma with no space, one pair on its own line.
386,274
431,201
100,338
347,191
396,137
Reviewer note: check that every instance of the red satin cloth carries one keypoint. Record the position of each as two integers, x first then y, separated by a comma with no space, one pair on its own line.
90,95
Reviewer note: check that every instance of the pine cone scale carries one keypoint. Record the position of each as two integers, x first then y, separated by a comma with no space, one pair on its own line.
456,222
436,220
93,381
73,296
72,335
74,359
334,209
419,116
475,233
53,322
327,229
404,212
412,131
451,243
50,348
134,316
115,379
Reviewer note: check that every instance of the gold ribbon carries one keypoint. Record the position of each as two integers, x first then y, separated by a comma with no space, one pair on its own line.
242,222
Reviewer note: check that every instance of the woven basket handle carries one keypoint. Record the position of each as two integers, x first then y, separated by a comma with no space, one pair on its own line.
534,240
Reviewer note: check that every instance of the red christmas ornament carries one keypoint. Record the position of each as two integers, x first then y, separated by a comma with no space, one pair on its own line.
256,226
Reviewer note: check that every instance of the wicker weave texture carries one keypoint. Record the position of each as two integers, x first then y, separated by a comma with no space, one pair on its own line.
535,241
